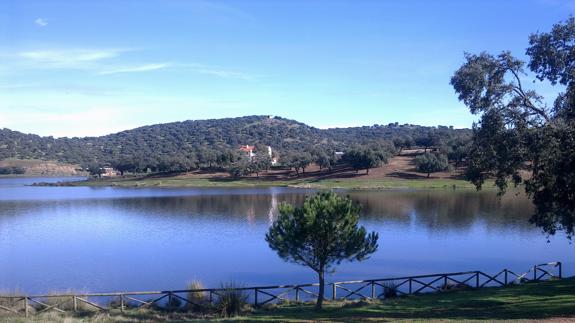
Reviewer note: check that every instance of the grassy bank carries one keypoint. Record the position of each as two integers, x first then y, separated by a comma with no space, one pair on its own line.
345,183
535,301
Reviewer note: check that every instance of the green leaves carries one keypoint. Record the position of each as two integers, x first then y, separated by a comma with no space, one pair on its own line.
518,133
552,54
322,233
431,163
365,158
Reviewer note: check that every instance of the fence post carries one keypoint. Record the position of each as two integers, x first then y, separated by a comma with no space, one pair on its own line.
505,270
333,291
256,297
170,300
122,303
409,286
75,304
445,282
534,273
297,294
560,268
26,306
477,279
211,298
372,290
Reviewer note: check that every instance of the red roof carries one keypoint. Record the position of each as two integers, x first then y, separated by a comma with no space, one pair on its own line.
247,148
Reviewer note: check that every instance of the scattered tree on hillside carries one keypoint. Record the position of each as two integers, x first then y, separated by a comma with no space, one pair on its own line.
321,234
297,161
123,165
240,168
456,149
323,161
430,163
365,158
95,169
519,131
428,140
260,162
402,143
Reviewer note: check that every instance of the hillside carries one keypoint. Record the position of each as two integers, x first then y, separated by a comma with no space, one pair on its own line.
198,140
34,167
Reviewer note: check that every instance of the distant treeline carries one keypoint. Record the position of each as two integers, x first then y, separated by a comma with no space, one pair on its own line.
12,170
188,145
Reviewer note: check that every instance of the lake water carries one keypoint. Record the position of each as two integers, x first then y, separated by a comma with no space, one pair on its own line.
133,239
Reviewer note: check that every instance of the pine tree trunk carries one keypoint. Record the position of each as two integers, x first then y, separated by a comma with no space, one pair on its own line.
321,292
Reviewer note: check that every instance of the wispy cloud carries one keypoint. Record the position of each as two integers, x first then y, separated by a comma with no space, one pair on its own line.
135,69
68,58
218,72
109,61
41,22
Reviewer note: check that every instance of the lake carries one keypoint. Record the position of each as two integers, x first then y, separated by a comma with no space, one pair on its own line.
134,239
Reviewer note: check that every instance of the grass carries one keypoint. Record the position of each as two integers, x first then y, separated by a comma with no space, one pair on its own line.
344,183
530,301
536,301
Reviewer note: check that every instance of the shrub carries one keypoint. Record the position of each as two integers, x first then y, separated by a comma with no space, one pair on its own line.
231,300
197,300
390,290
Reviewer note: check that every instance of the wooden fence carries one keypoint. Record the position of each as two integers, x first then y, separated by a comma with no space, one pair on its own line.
260,295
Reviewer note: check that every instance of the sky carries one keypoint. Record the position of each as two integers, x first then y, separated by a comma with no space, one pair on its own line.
94,67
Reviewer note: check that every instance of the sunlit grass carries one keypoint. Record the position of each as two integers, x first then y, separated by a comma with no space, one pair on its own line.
386,183
553,299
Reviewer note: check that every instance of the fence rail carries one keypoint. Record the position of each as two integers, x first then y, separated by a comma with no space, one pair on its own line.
261,295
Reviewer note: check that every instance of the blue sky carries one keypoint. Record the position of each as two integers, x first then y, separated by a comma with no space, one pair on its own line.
78,68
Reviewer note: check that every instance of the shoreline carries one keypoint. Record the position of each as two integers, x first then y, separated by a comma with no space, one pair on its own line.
345,183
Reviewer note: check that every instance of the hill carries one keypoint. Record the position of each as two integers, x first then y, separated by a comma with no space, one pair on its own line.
206,142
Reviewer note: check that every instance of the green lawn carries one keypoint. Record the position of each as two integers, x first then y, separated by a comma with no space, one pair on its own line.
386,183
553,299
529,301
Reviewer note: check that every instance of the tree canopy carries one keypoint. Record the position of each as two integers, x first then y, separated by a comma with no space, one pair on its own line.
205,143
519,131
321,234
431,163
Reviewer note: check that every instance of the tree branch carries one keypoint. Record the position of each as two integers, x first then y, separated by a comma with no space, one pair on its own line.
519,90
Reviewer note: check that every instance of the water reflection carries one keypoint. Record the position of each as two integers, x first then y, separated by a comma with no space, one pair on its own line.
445,210
132,239
436,211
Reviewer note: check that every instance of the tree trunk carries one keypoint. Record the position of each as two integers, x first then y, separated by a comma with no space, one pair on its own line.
321,291
367,170
428,175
